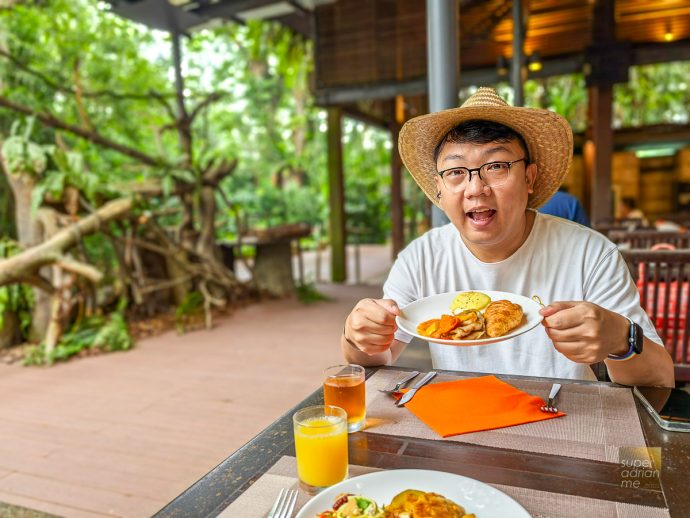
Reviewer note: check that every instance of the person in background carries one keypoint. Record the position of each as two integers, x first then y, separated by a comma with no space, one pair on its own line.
565,205
628,210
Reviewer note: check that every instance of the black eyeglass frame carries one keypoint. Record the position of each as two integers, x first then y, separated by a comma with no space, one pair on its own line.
477,170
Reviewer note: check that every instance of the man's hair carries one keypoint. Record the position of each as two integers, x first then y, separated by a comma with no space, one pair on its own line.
481,132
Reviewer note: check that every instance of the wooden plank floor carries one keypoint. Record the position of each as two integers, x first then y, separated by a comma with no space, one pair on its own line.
122,434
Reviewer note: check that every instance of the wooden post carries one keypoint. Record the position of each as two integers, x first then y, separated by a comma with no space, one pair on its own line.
336,188
398,233
600,99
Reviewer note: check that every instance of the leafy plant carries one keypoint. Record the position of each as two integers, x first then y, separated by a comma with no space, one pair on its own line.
15,298
94,333
308,294
191,306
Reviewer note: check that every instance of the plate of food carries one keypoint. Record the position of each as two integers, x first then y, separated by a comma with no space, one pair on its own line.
398,492
469,317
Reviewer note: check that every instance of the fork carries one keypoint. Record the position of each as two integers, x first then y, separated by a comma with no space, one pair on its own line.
550,407
284,504
400,383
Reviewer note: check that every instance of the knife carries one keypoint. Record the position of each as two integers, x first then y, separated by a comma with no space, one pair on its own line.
410,393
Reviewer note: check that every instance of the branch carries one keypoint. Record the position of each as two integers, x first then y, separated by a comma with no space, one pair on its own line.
211,98
79,268
94,94
23,265
93,136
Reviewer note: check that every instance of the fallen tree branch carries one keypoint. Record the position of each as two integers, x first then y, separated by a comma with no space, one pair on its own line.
24,265
77,267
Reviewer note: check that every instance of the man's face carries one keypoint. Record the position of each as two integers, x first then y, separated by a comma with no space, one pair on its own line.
491,220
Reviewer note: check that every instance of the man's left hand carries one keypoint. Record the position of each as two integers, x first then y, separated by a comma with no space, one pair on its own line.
585,332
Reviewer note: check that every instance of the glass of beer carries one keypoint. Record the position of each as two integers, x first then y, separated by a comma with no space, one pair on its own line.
320,446
343,386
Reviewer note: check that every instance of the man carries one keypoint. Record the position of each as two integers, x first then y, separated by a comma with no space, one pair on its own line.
488,166
565,205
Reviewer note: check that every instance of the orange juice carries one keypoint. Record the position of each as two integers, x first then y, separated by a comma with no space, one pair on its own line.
347,392
321,450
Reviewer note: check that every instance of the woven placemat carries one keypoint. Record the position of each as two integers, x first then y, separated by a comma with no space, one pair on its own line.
600,420
256,501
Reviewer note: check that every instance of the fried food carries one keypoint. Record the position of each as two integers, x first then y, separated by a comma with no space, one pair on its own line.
468,325
412,503
469,300
501,317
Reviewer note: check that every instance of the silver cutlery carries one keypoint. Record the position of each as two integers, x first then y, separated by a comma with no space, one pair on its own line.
410,393
400,383
284,504
550,406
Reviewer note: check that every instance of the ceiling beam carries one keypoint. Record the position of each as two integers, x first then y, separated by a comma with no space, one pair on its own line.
643,54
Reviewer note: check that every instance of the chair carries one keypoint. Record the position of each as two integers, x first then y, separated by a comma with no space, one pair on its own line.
641,239
663,280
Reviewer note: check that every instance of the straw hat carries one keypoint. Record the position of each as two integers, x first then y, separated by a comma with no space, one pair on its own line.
548,136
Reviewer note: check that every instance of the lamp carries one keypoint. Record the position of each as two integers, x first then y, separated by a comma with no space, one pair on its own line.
502,66
534,62
668,35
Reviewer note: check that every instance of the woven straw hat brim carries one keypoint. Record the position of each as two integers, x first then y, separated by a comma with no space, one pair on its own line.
548,136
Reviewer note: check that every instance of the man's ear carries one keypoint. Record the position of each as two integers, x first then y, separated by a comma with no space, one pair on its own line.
531,177
439,182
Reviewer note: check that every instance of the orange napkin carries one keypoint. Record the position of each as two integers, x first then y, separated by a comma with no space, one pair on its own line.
475,404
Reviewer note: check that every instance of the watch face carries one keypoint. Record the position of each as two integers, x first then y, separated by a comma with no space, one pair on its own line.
638,336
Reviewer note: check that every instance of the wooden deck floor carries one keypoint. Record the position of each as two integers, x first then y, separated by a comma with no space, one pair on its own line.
122,434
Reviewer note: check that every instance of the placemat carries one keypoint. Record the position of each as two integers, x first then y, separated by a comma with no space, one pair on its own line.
257,501
600,420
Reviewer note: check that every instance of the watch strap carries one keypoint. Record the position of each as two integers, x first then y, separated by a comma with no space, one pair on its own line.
635,337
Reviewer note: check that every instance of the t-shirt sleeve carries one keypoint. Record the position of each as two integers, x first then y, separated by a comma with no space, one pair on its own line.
400,287
611,286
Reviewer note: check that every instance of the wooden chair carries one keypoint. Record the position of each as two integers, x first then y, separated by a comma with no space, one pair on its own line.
663,280
641,239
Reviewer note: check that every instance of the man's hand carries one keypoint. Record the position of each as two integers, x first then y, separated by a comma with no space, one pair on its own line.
585,332
371,326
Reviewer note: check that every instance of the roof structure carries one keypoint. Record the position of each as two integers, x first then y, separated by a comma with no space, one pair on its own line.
370,51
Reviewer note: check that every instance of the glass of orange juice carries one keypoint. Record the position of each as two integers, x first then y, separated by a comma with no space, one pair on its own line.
320,446
343,386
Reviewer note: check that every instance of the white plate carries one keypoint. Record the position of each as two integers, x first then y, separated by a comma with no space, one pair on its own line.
436,305
476,497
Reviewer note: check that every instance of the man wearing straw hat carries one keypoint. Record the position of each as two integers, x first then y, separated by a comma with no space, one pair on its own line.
489,166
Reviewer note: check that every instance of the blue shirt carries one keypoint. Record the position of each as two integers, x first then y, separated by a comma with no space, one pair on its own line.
566,206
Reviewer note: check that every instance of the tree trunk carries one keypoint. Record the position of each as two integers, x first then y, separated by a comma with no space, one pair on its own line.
28,235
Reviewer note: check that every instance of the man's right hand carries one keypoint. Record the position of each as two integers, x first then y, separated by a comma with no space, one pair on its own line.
370,327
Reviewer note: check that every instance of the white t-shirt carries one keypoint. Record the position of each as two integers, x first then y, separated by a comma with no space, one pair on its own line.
559,261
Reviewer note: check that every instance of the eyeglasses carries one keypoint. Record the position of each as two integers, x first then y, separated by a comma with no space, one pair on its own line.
492,174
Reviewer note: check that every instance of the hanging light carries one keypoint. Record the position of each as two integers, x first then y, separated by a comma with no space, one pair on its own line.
668,35
502,66
534,62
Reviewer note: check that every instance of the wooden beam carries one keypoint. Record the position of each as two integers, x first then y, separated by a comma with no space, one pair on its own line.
601,107
397,222
336,194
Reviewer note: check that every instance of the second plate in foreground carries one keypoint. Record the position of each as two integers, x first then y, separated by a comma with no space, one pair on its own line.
436,305
476,497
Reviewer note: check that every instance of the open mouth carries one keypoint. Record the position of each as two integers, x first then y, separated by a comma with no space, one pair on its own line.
479,215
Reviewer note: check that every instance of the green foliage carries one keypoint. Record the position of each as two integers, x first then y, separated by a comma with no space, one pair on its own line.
15,298
307,293
192,306
94,333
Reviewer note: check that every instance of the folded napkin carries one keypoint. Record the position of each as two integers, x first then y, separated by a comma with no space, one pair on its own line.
475,404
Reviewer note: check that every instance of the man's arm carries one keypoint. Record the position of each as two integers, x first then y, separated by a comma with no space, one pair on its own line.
587,333
654,367
353,354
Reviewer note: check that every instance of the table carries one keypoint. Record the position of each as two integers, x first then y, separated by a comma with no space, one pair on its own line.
566,475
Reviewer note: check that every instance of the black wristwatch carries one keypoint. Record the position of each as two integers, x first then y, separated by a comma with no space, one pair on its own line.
635,342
